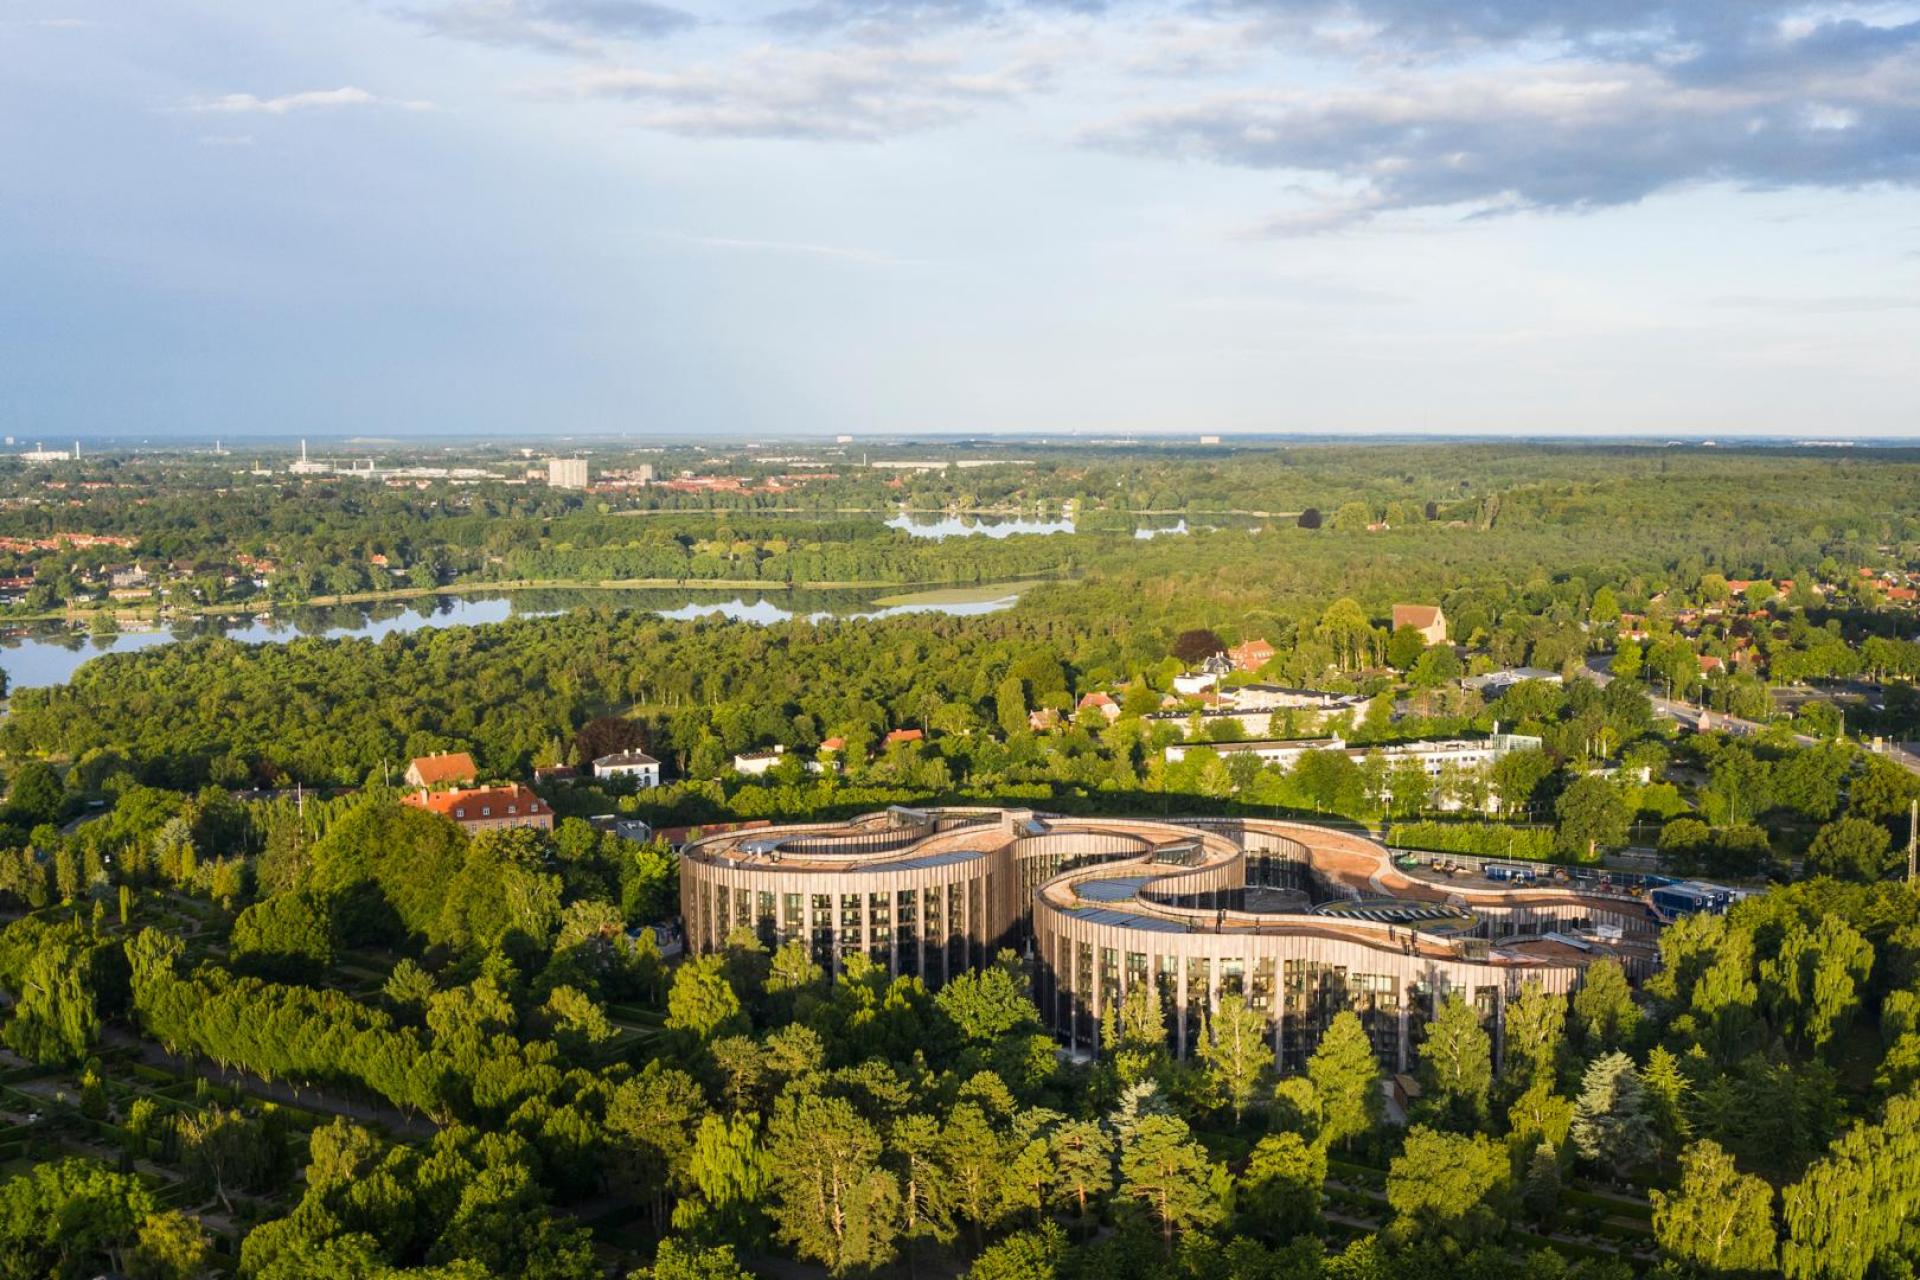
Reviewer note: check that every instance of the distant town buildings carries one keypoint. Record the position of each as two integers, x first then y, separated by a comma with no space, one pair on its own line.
305,466
634,477
61,541
41,454
567,473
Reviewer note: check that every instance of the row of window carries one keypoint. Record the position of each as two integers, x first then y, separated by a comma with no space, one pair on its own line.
934,932
1310,994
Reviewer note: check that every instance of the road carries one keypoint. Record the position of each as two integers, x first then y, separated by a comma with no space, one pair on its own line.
1692,717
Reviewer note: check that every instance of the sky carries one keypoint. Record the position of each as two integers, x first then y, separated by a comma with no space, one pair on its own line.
781,217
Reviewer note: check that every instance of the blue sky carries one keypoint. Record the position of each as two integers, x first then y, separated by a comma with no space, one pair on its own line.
877,216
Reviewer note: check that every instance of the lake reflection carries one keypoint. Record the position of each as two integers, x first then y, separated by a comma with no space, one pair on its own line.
965,526
50,655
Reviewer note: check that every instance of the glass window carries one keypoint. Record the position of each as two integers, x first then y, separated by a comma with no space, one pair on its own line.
1199,985
1233,977
880,924
852,929
823,929
956,929
1261,997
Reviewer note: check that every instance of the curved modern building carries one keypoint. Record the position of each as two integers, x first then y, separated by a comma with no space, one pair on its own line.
1301,921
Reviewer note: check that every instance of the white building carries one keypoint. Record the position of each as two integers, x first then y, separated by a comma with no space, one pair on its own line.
306,466
40,453
1433,754
1190,683
638,765
1283,753
754,763
1495,683
567,473
1275,697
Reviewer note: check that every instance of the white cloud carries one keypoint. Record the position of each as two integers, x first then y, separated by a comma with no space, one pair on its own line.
308,100
554,26
1565,135
861,94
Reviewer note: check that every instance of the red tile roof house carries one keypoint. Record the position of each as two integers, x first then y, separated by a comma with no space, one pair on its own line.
448,770
1251,656
487,808
1102,703
1427,619
905,735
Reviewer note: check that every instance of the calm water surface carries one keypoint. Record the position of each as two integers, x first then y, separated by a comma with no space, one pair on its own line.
50,655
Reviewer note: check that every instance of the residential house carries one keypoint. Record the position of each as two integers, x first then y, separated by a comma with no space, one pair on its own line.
1427,619
1250,656
1103,703
1041,719
905,735
638,765
487,808
451,769
555,773
753,764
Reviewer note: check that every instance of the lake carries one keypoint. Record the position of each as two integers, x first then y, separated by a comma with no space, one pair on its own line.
50,655
927,525
923,525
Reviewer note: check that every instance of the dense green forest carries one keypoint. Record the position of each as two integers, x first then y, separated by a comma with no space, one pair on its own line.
1447,509
263,1019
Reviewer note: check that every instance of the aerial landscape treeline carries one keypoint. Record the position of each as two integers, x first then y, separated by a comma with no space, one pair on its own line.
268,1013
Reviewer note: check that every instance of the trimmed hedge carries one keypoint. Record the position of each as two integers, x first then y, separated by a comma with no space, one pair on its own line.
1483,839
